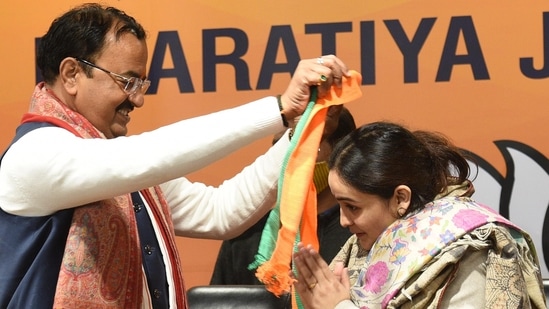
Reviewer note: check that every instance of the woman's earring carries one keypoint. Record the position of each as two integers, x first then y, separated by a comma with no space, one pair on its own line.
401,211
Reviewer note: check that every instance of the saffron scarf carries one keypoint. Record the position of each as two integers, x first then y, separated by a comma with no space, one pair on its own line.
101,265
294,217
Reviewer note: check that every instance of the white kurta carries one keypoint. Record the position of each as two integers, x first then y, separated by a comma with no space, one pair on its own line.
50,169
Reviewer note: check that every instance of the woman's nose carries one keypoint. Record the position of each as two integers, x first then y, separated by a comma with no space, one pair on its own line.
343,220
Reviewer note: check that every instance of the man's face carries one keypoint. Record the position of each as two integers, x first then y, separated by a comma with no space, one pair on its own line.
101,98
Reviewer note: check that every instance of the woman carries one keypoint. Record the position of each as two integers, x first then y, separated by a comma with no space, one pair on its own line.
406,198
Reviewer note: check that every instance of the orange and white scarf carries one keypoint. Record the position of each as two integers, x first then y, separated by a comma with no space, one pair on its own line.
294,216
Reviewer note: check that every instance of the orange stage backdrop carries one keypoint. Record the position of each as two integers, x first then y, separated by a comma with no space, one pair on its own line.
474,71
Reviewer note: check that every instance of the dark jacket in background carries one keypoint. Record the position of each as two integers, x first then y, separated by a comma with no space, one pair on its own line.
236,254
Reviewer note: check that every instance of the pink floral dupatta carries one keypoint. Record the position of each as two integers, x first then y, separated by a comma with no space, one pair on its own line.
402,269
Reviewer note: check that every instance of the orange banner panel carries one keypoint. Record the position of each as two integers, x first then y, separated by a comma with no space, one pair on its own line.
476,72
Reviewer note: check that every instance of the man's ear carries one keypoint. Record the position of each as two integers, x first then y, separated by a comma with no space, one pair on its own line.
69,71
402,197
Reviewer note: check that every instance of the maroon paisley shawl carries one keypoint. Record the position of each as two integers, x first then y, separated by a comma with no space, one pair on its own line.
101,265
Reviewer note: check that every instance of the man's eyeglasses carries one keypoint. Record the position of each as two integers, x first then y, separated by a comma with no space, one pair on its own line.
132,84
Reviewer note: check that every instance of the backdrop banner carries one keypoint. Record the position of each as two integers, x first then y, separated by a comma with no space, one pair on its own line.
475,72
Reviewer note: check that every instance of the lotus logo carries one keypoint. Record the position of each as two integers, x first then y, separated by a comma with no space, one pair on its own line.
522,195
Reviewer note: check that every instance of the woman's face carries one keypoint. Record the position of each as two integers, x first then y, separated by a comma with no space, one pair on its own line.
366,215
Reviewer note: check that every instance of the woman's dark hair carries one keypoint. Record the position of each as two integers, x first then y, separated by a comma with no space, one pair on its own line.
378,157
80,33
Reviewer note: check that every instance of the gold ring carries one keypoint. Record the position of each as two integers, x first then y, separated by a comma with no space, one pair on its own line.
312,285
322,79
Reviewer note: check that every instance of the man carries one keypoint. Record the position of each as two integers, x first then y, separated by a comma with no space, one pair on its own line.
89,215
